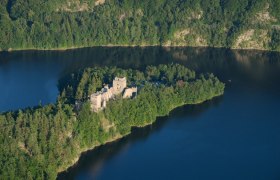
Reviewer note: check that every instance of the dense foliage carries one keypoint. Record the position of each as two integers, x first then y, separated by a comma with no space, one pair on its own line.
49,24
37,143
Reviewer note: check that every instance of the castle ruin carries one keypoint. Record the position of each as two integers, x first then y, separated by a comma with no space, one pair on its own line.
98,100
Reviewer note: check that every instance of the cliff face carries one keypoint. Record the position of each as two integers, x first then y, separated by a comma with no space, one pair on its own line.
246,24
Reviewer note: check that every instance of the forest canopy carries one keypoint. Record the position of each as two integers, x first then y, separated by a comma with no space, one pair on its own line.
52,24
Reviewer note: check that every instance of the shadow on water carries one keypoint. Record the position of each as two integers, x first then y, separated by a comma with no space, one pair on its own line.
222,62
91,161
26,77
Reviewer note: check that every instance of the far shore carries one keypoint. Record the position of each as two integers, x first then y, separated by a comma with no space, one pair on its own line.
132,46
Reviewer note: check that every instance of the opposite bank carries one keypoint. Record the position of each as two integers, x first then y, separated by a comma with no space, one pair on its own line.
64,24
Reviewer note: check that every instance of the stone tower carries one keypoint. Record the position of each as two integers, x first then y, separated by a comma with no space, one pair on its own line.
119,84
96,101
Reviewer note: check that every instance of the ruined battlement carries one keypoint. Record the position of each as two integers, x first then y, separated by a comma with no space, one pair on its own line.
130,92
98,100
119,84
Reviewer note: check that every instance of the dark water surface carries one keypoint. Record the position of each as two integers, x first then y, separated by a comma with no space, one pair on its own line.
236,136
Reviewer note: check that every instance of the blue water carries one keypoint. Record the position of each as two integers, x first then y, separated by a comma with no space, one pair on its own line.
235,136
227,141
232,137
28,83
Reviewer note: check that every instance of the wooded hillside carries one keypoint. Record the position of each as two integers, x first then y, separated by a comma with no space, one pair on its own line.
51,24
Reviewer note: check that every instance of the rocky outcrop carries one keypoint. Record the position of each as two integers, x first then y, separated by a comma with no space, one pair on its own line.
99,2
264,16
73,6
78,6
252,39
186,37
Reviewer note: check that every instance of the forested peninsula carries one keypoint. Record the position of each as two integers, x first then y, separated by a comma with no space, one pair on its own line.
40,142
64,24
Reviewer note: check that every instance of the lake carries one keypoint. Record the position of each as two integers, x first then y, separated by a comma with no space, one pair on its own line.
235,136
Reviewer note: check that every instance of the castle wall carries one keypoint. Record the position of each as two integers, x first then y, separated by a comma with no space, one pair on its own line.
129,92
99,99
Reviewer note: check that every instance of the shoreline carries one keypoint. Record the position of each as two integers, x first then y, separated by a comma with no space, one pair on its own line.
118,137
11,50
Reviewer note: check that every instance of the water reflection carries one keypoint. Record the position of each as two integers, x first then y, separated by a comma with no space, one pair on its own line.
38,72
